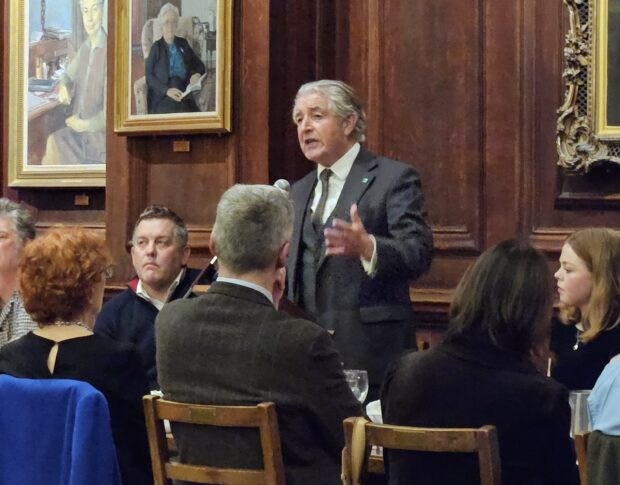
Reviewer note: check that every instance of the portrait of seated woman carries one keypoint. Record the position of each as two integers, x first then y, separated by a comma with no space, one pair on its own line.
171,66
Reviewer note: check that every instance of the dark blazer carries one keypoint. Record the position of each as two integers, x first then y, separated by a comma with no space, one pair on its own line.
371,317
468,383
158,79
130,318
230,346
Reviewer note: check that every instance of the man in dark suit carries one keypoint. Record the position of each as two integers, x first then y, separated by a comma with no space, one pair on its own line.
360,233
232,346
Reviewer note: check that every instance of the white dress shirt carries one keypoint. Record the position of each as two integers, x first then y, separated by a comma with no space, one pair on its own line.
340,171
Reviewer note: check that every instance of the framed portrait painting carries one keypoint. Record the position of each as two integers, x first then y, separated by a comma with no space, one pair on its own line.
57,93
173,66
588,128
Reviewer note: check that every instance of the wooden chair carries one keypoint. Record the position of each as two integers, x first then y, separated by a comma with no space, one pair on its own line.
581,450
360,434
262,416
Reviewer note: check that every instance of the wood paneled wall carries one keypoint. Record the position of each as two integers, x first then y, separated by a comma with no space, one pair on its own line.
465,90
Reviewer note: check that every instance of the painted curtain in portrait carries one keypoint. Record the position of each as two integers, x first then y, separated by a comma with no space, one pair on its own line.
57,92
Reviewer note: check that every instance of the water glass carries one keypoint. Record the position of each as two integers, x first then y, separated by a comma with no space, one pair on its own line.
580,413
358,382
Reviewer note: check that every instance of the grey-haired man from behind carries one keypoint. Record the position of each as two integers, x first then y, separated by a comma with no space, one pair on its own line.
232,346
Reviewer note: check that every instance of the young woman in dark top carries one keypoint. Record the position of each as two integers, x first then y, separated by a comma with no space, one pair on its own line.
588,283
483,373
62,278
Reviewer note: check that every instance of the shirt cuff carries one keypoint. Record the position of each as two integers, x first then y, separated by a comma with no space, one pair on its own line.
370,267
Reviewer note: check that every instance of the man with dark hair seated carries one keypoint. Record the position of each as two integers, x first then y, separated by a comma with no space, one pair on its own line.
159,252
232,346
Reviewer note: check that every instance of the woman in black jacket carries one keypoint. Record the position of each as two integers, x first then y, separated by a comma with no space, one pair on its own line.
483,373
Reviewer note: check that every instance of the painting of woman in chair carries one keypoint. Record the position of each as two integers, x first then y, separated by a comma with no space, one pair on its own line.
174,73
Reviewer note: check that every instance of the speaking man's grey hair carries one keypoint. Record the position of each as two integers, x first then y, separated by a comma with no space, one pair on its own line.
342,101
251,225
21,219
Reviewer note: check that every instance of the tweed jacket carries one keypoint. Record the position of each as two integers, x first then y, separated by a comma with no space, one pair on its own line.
232,347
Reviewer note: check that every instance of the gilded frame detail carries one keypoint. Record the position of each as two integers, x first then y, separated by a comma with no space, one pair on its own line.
133,109
588,125
33,116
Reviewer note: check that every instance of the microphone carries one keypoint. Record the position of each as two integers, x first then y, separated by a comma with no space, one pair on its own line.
210,267
282,184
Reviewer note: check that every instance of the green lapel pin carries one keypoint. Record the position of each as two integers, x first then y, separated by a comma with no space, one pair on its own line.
365,180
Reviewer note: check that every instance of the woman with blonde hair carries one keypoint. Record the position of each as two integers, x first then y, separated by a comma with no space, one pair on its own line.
62,278
588,283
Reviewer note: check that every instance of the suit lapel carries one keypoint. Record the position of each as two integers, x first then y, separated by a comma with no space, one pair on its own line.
358,181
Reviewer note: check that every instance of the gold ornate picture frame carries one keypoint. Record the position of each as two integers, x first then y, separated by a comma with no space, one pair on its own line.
588,126
56,127
156,68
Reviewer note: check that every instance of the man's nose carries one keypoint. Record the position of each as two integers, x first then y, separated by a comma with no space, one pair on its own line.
304,124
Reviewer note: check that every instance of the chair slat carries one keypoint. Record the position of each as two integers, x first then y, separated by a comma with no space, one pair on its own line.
422,439
213,475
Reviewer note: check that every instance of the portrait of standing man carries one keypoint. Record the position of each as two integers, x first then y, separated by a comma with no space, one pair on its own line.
360,233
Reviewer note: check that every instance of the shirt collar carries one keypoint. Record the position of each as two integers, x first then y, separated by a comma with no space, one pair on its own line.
247,284
342,166
142,293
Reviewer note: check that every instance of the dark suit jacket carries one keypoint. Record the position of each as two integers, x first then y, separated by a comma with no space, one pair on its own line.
158,79
371,317
469,383
230,346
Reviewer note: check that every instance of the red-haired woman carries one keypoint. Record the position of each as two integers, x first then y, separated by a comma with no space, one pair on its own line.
62,278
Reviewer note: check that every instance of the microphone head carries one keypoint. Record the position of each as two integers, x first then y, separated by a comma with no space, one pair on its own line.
282,184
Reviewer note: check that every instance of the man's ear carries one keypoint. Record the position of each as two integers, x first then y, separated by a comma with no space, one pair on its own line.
282,255
349,124
212,247
186,252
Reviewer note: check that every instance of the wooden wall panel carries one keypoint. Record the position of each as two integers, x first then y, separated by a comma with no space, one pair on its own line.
464,90
467,91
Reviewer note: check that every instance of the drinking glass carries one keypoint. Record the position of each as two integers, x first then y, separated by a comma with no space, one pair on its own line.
358,382
580,413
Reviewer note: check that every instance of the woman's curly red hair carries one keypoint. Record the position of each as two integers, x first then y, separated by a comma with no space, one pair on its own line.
58,272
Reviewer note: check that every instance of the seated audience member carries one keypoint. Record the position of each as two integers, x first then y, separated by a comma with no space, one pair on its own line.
159,252
232,346
16,229
604,441
589,289
62,276
482,374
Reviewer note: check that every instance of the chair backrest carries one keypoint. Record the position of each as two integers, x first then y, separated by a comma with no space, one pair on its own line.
55,431
360,434
581,451
263,417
